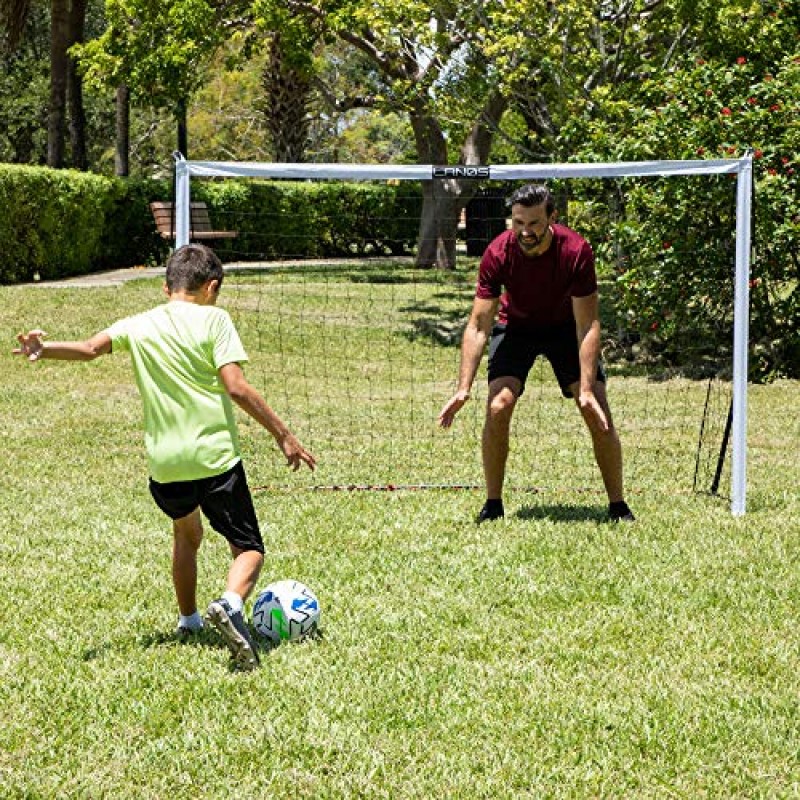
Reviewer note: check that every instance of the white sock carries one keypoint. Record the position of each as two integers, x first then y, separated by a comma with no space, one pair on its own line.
193,622
234,601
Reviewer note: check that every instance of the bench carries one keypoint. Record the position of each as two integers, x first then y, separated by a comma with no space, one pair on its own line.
200,227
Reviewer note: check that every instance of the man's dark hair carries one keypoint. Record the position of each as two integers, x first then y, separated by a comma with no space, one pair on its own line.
192,265
533,194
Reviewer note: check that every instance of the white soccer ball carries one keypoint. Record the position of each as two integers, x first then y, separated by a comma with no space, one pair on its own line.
286,611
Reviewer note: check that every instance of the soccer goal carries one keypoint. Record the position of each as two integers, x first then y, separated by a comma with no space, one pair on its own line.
354,337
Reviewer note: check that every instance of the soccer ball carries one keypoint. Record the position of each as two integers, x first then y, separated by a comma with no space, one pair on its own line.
286,611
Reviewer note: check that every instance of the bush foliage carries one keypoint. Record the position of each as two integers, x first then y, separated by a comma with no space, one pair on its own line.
674,261
60,222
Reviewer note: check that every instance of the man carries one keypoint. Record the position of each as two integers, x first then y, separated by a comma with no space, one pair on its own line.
187,357
542,278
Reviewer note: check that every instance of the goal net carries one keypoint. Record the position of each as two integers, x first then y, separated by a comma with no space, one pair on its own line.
355,340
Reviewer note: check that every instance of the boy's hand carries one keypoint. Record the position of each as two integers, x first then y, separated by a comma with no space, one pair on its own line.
31,345
296,454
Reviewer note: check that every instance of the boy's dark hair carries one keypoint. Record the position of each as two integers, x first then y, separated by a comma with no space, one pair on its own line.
533,194
192,265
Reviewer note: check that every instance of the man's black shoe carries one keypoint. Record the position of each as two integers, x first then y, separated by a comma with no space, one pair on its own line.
492,509
619,512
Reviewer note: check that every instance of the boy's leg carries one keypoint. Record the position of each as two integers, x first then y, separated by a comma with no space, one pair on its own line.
227,612
187,537
244,571
229,508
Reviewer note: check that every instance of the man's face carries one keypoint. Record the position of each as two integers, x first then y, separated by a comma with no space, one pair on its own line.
531,225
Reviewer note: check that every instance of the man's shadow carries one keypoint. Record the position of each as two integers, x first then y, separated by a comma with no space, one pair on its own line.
563,513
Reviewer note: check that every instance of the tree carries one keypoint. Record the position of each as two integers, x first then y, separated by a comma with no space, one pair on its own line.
20,21
443,65
728,91
159,51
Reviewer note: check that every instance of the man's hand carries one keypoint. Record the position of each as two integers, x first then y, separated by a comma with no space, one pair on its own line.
296,454
451,408
31,345
592,412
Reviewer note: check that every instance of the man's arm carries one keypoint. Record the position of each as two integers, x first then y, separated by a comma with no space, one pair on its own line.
473,343
250,401
587,326
33,347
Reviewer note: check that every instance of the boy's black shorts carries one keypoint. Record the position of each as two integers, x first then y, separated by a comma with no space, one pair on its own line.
513,352
225,500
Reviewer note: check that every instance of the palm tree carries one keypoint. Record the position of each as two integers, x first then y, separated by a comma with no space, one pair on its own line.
286,81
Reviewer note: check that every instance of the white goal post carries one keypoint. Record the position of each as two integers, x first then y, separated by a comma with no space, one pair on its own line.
741,167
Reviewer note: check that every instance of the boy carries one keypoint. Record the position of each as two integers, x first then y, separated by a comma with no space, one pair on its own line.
186,357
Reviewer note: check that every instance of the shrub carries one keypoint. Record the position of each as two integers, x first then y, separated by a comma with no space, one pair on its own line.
708,110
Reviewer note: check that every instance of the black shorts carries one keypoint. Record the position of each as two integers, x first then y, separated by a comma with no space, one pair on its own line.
513,352
225,500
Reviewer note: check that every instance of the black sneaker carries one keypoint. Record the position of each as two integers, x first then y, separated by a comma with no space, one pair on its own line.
492,509
233,630
619,512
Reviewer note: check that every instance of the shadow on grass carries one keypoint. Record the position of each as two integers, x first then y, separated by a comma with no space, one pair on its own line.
207,637
563,513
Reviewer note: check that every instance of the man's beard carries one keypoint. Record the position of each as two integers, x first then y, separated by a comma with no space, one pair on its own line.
531,241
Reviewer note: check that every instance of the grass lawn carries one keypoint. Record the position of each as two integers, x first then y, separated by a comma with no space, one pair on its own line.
549,654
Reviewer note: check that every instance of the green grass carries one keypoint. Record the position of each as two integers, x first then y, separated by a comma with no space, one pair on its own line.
547,655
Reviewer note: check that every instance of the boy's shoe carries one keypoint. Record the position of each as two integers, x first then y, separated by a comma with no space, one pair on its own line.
183,632
233,630
619,512
492,509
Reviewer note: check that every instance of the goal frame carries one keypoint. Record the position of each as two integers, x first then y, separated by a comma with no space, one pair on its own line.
742,168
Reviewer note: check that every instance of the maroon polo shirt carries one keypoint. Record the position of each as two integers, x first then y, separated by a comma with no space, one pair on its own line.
537,291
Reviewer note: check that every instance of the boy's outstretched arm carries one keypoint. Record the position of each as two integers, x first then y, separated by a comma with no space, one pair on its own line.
33,347
250,401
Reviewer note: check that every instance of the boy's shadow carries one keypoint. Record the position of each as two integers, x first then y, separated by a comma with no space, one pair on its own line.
208,637
563,513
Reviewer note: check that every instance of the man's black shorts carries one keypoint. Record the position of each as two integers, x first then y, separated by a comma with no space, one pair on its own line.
513,352
225,500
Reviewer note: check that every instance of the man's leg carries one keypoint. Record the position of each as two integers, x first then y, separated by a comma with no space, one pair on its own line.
607,453
503,393
187,535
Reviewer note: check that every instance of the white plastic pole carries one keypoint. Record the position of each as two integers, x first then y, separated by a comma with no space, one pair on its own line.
741,324
182,201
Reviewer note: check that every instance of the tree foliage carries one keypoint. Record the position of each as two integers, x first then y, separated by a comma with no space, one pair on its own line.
735,91
160,50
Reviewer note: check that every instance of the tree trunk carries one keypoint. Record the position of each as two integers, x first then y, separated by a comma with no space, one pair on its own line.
13,15
442,202
444,199
123,133
182,129
77,115
59,64
287,89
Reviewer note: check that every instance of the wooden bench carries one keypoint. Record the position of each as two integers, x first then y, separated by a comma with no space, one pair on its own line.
200,227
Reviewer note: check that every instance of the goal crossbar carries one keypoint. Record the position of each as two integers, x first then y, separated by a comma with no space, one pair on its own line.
742,168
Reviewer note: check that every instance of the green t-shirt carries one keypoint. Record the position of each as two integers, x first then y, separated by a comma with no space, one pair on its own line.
177,350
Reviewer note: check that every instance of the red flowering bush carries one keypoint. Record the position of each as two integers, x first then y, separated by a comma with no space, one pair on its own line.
680,297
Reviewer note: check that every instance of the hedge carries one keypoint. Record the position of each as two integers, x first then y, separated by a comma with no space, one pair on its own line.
58,223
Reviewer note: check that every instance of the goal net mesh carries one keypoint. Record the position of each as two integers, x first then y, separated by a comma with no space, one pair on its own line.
357,348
